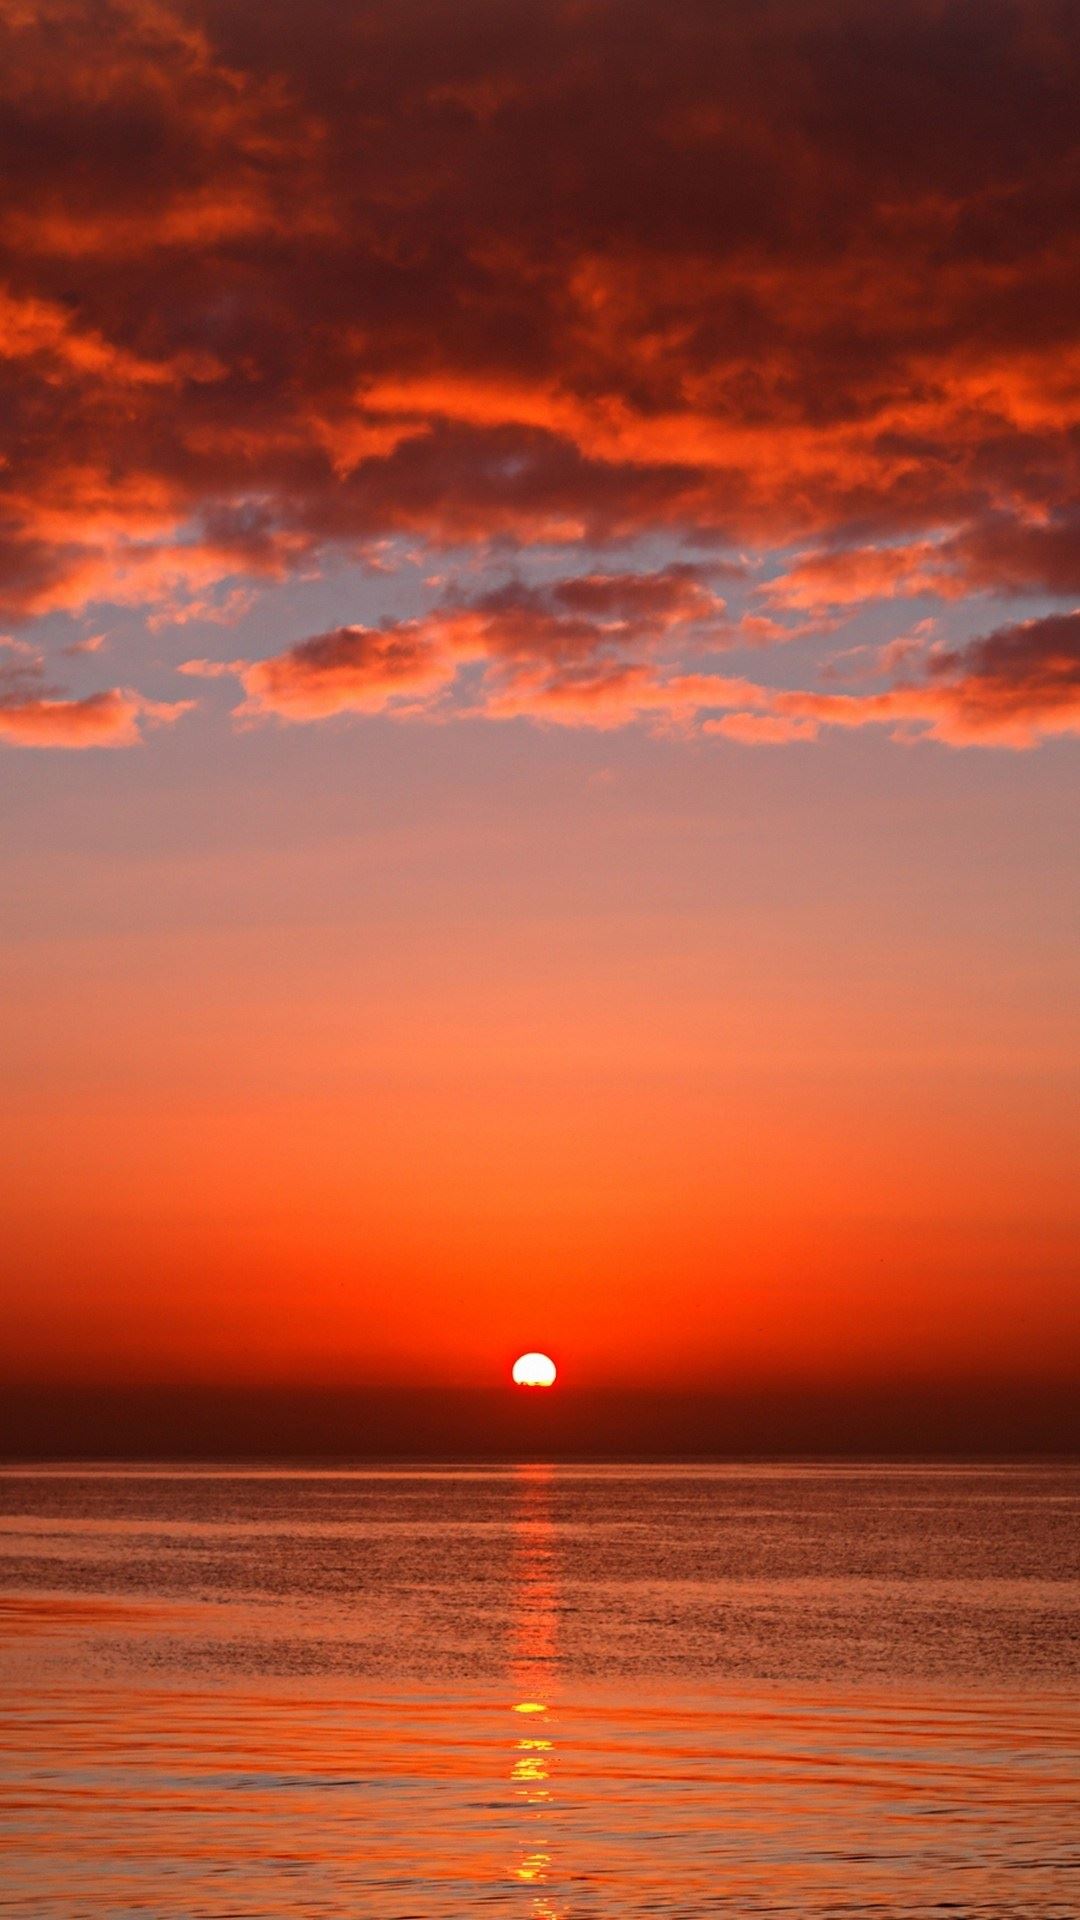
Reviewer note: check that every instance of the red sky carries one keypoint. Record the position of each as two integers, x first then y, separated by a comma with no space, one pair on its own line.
539,684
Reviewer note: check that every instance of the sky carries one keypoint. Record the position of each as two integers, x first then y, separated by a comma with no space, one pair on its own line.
539,692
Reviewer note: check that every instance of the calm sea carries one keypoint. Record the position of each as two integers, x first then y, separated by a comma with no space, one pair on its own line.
540,1692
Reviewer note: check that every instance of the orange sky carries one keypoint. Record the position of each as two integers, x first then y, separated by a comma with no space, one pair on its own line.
539,674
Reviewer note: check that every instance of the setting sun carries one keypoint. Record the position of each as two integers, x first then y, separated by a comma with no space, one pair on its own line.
534,1370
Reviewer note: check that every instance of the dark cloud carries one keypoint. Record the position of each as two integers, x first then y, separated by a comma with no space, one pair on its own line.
1027,674
277,279
1007,557
1011,688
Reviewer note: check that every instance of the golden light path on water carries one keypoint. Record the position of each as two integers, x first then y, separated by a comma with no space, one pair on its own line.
533,1670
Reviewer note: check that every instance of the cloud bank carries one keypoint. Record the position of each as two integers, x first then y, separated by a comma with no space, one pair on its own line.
802,276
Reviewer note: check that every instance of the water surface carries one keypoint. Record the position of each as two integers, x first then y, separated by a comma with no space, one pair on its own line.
543,1692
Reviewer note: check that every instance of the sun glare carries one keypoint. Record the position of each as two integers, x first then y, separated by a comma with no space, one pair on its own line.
534,1370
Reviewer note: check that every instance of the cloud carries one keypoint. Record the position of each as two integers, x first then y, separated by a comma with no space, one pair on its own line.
1011,688
1002,555
111,719
90,643
847,576
1009,557
763,729
676,596
551,273
574,644
1015,683
34,713
518,653
350,670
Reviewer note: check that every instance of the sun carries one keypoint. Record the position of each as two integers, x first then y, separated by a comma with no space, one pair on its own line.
534,1370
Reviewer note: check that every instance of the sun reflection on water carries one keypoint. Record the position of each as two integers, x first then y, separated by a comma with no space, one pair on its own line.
532,1765
533,1670
533,1867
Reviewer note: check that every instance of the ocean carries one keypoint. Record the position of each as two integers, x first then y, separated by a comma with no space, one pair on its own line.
541,1691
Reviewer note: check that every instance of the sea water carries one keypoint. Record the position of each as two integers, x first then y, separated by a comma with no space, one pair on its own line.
541,1692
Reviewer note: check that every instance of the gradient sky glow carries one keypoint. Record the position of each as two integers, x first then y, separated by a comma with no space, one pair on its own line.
539,689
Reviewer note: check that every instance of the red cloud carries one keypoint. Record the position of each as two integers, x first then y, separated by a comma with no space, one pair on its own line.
352,670
556,274
101,720
574,644
35,714
1011,688
1016,683
845,576
676,596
